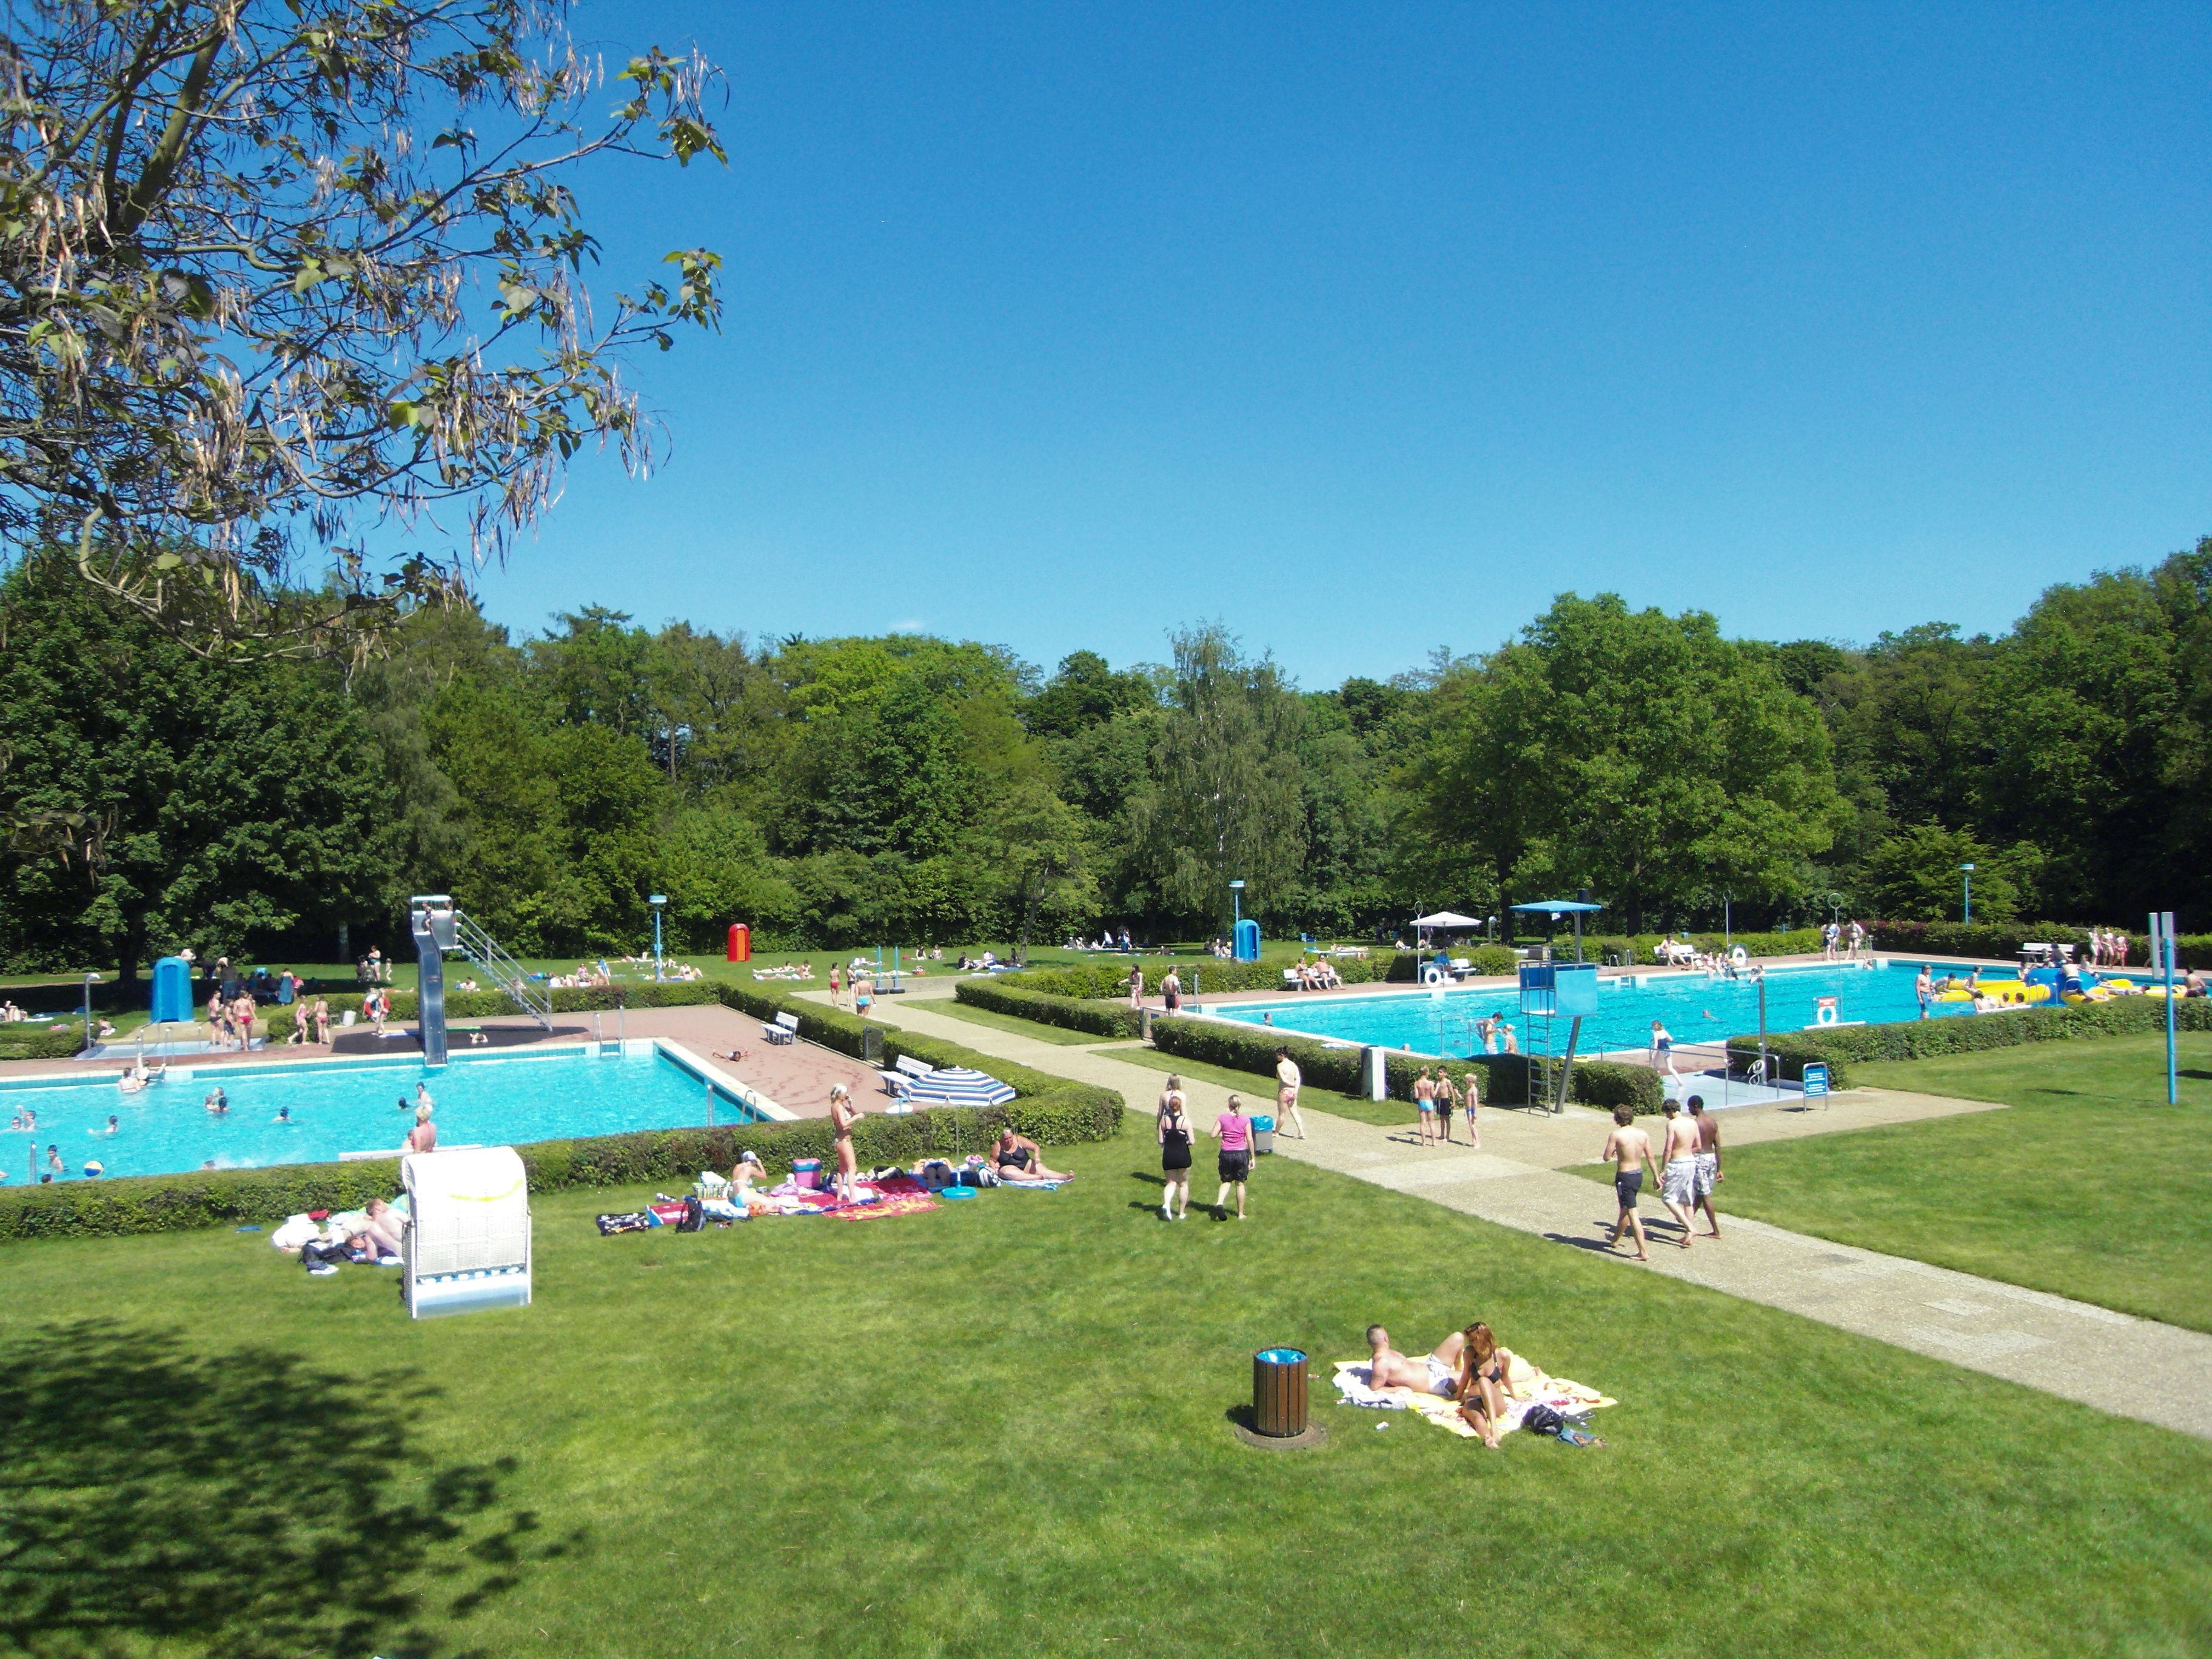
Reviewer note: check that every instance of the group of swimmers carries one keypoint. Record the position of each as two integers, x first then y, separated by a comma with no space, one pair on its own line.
1437,1095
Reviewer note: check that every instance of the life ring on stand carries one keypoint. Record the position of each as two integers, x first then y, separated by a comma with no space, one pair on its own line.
1739,956
1432,975
1824,1011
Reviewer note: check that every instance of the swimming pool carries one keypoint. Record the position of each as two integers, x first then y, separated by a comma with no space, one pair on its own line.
1693,1008
342,1106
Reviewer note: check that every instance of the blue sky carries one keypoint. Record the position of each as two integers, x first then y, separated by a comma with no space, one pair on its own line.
1369,330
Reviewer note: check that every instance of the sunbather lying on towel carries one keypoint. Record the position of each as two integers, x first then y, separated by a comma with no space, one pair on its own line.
1437,1373
1020,1158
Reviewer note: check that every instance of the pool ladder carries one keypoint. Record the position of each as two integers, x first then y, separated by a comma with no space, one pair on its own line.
600,1044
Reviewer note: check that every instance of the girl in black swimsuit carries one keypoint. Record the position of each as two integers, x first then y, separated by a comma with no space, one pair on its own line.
1482,1382
1174,1134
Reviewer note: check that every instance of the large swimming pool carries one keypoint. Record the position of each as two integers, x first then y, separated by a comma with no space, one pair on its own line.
1693,1008
343,1106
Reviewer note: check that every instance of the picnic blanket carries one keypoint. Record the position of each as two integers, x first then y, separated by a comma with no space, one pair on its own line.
1530,1386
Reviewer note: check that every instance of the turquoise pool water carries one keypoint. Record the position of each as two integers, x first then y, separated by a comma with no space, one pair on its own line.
1693,1009
347,1106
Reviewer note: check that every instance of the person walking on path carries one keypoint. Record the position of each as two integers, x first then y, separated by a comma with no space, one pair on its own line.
1425,1103
1171,991
1473,1098
1136,984
864,993
837,985
1709,1159
1234,1131
1288,1081
1172,1125
323,1021
1662,1046
1678,1173
1629,1149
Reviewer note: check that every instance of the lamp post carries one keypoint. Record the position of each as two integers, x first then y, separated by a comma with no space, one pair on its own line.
1236,906
656,900
1966,875
90,980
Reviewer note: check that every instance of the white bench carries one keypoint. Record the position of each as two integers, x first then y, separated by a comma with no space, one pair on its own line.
784,1028
905,1067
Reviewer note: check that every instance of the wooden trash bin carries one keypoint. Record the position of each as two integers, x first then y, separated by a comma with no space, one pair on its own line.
1279,1392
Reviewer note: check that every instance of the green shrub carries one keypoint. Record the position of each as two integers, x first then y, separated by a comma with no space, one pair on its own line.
1074,1013
1492,960
1504,1078
1924,1039
155,1204
24,1041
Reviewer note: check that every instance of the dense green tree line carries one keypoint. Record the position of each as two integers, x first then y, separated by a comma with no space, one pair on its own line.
913,789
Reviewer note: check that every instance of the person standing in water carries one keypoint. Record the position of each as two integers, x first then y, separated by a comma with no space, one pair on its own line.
1288,1081
1172,1125
424,1137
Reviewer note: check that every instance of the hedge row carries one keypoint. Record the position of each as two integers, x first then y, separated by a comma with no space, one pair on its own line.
156,1204
24,1041
1924,1039
2001,944
1504,1077
1101,1017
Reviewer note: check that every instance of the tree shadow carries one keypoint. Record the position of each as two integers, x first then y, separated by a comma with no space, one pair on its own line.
244,1500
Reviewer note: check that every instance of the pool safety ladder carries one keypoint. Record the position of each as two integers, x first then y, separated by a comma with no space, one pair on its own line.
439,926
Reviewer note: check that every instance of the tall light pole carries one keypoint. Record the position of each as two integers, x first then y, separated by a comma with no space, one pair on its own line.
1966,875
90,980
656,900
1236,906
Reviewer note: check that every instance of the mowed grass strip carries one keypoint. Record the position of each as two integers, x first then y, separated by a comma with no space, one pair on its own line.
2093,1187
1003,1427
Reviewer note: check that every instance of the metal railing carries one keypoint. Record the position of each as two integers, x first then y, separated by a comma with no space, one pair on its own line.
506,972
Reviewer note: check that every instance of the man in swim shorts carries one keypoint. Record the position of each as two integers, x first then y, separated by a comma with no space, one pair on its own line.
1708,1158
1628,1149
1434,1373
1678,1175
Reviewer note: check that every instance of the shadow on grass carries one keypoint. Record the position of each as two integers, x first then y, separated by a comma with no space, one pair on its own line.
242,1501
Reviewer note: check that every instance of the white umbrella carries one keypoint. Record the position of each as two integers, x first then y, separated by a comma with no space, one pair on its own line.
958,1086
1445,918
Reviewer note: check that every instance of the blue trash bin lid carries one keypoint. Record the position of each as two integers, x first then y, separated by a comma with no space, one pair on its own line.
1263,1123
1280,1356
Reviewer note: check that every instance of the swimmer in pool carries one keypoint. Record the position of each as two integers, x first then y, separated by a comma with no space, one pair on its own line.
283,1114
113,1127
217,1102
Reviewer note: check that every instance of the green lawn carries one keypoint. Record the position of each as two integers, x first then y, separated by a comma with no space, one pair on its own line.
2092,1187
1004,1427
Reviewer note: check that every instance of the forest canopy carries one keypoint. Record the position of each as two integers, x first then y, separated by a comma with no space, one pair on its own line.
911,789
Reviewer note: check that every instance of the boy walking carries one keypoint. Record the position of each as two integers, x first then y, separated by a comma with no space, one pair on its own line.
1678,1176
1709,1159
1630,1150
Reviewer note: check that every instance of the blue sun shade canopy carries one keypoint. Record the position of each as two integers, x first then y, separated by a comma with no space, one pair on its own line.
1560,906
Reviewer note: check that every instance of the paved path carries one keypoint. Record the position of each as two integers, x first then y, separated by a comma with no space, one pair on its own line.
2066,1348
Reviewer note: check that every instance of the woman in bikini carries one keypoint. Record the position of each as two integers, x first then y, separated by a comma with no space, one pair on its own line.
843,1114
1173,1126
1483,1367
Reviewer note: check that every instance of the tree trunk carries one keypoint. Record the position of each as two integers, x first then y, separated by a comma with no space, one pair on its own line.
128,956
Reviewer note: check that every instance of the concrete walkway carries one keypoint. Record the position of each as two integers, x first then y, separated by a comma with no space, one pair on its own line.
2066,1348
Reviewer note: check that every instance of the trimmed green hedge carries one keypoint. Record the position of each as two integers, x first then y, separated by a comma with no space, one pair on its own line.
157,1204
24,1041
1924,1039
1504,1077
1074,1013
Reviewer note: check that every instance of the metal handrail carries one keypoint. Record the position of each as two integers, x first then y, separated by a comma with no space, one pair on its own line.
506,972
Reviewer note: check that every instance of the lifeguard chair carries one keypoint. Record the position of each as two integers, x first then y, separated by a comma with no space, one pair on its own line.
1551,992
467,1247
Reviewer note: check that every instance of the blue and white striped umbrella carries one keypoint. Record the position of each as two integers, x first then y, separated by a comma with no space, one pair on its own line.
958,1086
